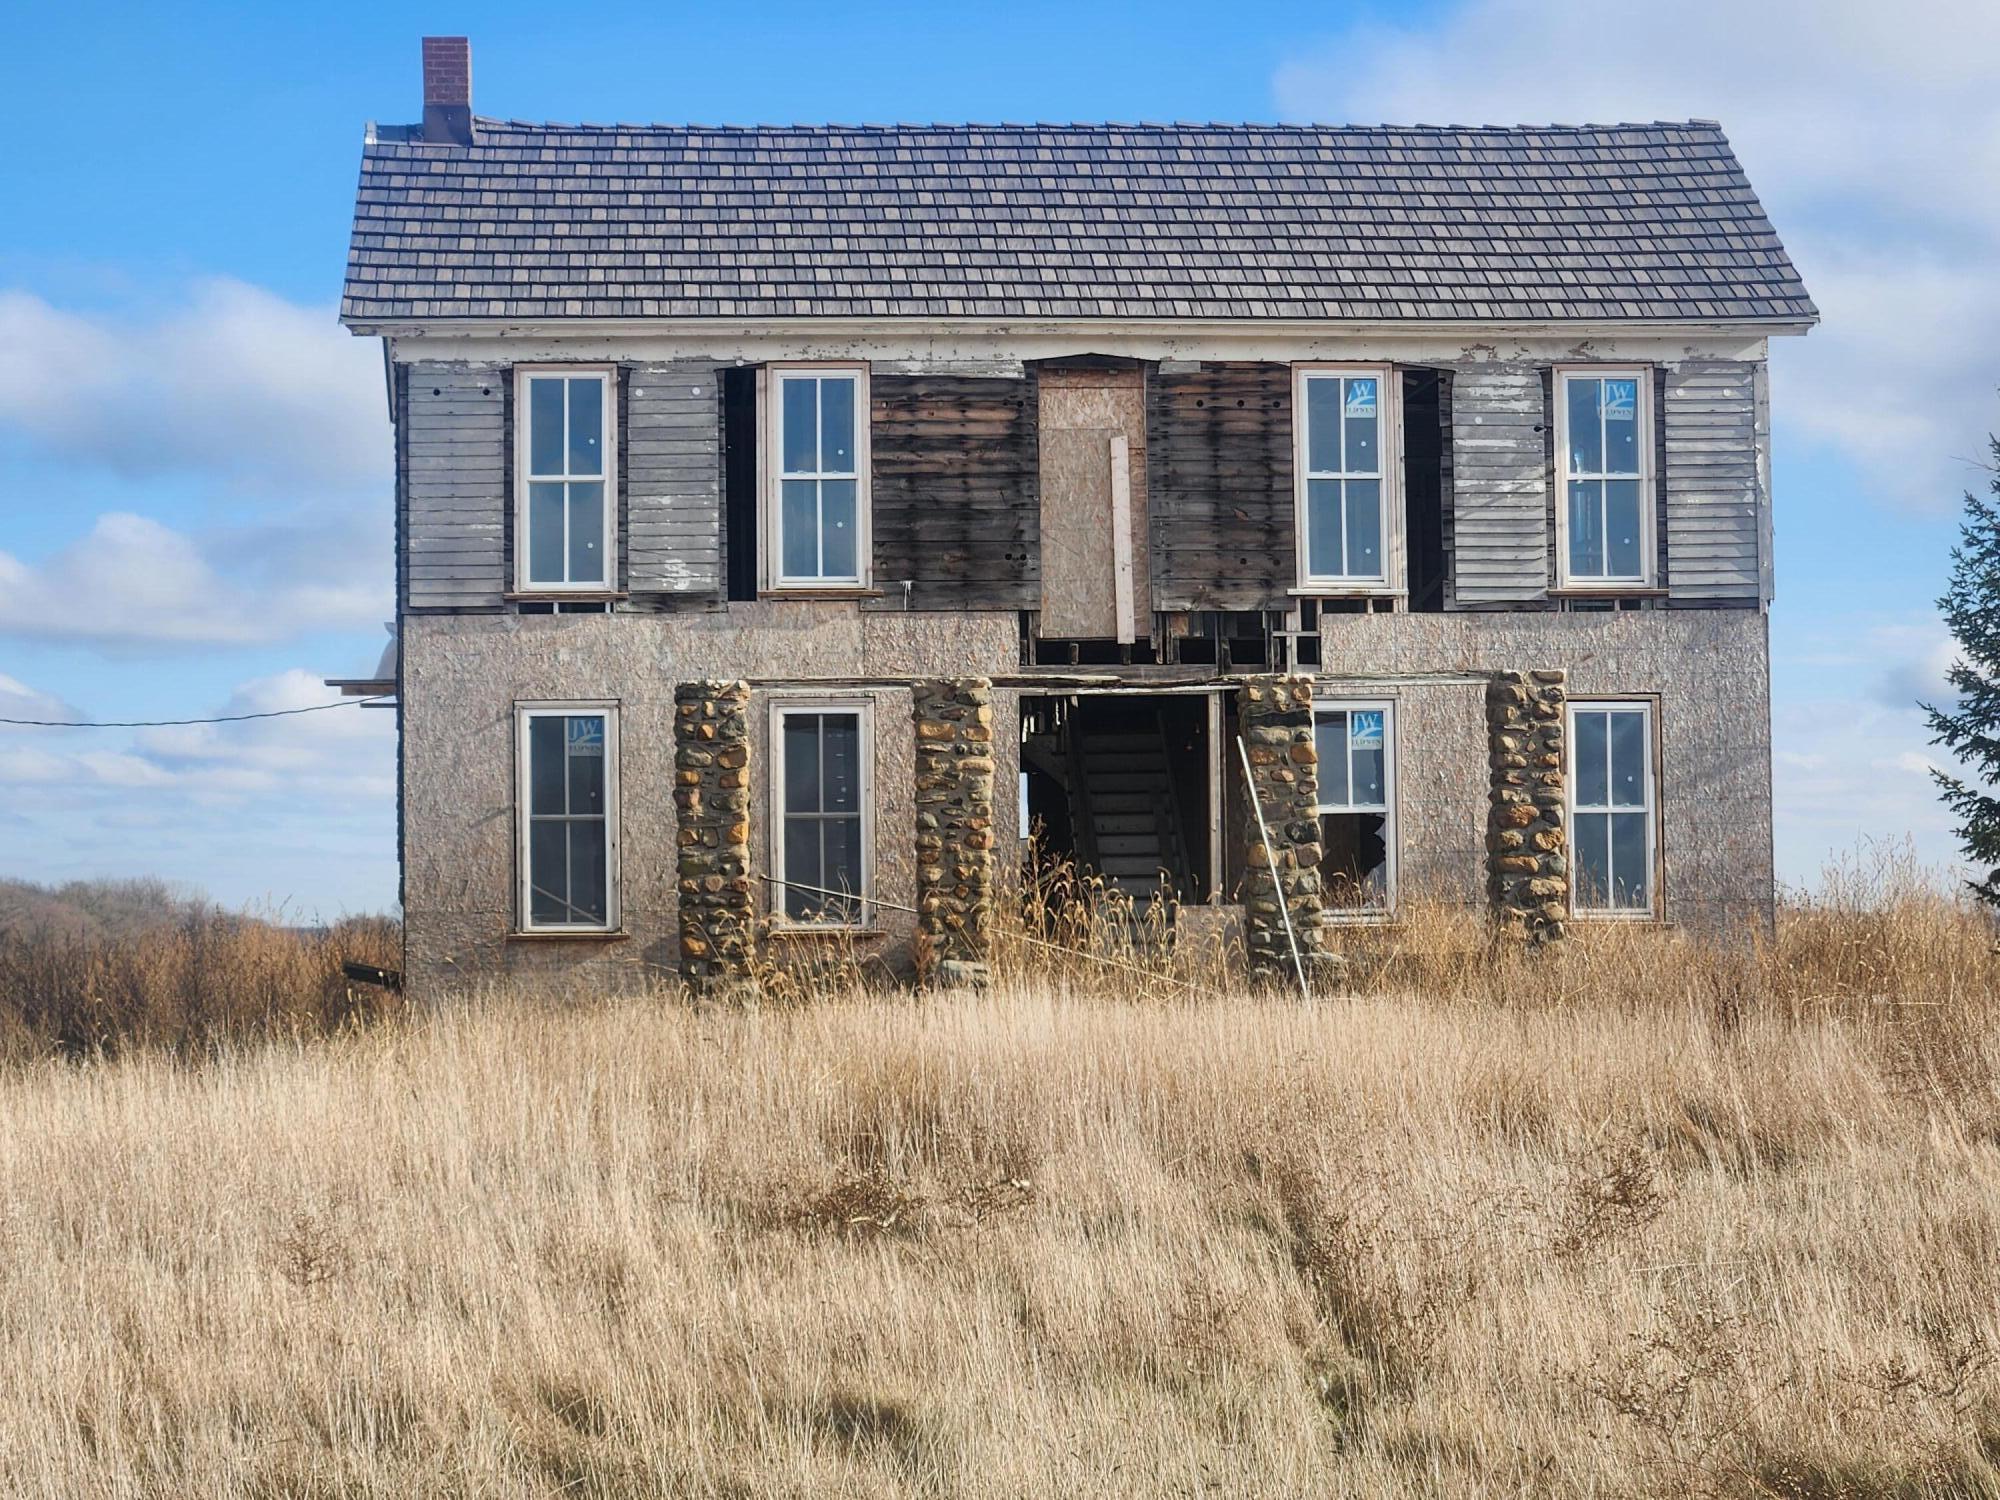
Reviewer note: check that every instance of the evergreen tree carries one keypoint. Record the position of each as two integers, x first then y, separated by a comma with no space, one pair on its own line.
1970,729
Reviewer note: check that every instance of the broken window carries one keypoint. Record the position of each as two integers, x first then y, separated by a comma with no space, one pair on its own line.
821,783
566,497
1356,807
1612,802
567,804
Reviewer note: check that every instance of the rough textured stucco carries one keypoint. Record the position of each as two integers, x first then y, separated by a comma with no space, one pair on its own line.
1710,670
462,676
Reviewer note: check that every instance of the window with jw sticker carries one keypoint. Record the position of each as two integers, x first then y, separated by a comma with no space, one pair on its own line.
586,736
1361,398
1364,727
1620,400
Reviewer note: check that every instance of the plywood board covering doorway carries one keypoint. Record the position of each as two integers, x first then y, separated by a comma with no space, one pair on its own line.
1095,581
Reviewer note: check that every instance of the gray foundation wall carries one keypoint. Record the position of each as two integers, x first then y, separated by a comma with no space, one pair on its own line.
1708,670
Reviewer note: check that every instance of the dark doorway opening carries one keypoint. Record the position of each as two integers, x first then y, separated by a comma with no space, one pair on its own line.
1425,452
739,478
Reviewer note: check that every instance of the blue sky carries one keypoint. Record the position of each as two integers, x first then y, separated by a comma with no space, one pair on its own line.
194,459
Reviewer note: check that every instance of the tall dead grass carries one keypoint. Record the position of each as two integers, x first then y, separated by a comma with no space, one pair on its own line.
1661,1222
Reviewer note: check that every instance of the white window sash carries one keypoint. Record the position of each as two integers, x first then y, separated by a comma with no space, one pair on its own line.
1392,860
1387,474
776,474
1566,577
607,378
783,708
1649,806
524,715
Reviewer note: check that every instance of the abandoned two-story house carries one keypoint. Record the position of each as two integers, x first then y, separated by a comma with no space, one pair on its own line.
792,520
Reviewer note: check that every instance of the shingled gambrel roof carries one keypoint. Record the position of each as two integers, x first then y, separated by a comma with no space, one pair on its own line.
1626,223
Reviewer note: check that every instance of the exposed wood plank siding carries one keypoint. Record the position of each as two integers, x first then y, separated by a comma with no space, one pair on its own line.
1714,489
1219,450
956,493
672,479
1499,525
454,451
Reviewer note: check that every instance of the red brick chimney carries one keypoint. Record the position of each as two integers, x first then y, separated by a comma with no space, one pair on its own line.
447,91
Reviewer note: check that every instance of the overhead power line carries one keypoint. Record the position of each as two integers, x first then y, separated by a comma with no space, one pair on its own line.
271,713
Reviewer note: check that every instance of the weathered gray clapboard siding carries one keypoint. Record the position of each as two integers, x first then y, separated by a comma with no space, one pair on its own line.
672,448
1715,497
1499,523
453,532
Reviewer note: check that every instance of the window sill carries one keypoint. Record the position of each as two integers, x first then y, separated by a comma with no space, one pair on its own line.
1347,591
821,932
831,591
566,596
580,935
1607,591
1621,919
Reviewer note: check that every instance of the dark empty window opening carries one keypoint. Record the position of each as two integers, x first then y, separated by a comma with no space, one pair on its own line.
1424,452
739,478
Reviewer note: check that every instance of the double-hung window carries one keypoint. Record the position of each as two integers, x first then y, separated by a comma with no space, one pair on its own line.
1346,477
818,444
821,855
1604,452
1357,809
567,816
565,452
1613,806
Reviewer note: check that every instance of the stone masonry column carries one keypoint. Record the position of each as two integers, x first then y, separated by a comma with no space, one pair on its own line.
712,799
1275,713
955,772
1527,853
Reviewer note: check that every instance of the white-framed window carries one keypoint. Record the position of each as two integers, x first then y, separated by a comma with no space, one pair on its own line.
1604,465
565,481
1613,809
816,442
1357,806
566,816
822,810
1346,465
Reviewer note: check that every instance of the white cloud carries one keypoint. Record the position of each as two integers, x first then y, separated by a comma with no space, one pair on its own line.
1871,131
131,582
238,384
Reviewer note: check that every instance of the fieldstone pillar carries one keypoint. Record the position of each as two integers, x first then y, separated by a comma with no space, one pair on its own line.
1527,850
1275,713
955,772
712,799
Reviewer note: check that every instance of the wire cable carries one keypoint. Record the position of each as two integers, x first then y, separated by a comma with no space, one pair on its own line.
273,713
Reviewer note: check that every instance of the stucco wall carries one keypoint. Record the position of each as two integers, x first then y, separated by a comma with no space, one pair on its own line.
463,675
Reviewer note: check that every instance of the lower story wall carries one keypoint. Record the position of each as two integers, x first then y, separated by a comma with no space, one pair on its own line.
1707,672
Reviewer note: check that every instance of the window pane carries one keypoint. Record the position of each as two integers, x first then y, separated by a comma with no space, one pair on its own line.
1628,759
801,762
1628,861
586,870
545,533
586,426
840,762
1621,426
801,426
1621,504
1593,860
836,430
802,868
1586,528
842,867
1586,438
545,425
548,868
1323,554
545,765
799,522
586,761
1365,736
1363,419
1592,787
836,502
1330,735
1364,528
586,532
1322,425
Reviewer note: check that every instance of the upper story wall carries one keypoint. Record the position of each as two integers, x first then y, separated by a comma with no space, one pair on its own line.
987,477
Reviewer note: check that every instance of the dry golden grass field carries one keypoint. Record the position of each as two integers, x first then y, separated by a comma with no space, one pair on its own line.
1628,1219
